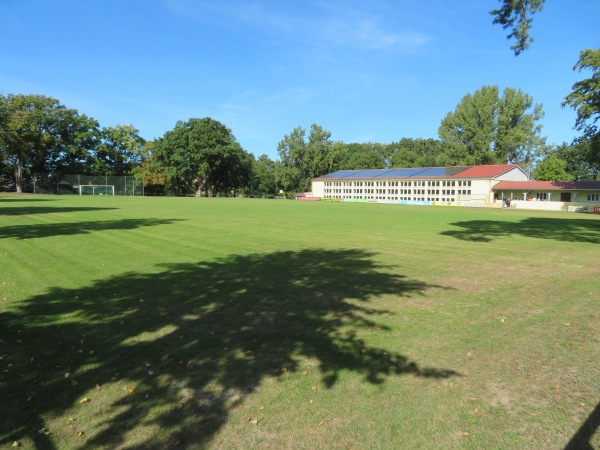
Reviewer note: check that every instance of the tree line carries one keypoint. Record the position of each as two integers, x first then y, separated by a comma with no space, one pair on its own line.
202,157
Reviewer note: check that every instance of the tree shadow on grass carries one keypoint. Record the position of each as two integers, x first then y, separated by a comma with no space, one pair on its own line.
570,230
194,340
582,440
29,210
72,228
15,198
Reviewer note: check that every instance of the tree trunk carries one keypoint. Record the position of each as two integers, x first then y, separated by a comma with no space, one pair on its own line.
18,177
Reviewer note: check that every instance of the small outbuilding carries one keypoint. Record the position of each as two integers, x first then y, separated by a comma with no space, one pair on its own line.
554,194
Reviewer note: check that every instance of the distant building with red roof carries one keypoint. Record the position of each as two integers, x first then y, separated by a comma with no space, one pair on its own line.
558,191
484,185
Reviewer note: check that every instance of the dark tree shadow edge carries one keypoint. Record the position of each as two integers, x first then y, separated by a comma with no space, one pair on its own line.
201,336
566,230
42,230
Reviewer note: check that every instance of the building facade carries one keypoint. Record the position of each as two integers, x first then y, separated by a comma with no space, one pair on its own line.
485,185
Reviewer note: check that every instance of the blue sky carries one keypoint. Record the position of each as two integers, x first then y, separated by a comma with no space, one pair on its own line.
368,70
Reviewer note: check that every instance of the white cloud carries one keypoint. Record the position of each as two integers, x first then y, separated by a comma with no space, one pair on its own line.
321,24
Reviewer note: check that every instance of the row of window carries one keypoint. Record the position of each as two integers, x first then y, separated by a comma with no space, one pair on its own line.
389,192
544,197
378,197
460,183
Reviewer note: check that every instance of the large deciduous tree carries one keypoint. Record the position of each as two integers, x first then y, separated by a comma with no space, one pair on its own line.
488,129
119,151
415,152
150,170
263,176
302,160
202,155
552,168
585,99
515,15
38,134
368,155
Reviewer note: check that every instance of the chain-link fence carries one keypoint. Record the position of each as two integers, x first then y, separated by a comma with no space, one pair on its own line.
43,183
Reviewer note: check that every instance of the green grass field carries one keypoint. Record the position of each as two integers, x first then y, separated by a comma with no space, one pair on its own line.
243,323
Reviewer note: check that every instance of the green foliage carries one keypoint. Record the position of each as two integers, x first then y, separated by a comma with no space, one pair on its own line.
515,16
415,153
368,155
119,151
552,168
263,176
151,170
303,160
488,129
468,131
38,134
202,155
579,161
585,99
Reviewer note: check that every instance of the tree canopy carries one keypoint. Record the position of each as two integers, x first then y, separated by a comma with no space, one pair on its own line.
515,15
119,151
485,128
303,160
38,134
202,155
585,99
552,168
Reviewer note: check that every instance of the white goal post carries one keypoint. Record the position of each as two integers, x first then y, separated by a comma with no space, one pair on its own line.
96,189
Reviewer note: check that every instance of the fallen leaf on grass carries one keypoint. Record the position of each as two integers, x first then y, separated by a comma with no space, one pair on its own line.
322,422
252,421
84,400
473,398
314,388
79,433
305,372
16,444
284,369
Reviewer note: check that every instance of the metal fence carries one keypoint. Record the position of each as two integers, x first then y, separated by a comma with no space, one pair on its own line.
44,183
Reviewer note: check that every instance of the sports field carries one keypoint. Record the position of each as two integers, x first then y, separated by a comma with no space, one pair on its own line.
131,322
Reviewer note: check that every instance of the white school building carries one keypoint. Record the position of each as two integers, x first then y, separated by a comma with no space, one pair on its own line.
484,185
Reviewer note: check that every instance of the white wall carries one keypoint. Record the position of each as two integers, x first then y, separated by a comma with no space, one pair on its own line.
514,175
318,189
481,189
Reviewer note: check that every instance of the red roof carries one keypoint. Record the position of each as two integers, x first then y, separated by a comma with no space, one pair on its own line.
547,186
490,171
